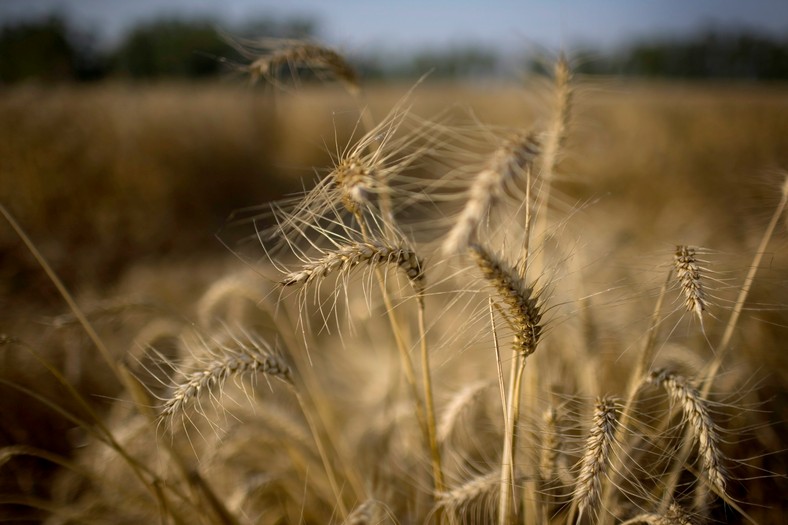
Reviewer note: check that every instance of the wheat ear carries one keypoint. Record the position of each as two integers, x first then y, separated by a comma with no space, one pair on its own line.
477,491
524,316
596,458
226,362
521,299
675,515
551,445
505,165
346,257
456,407
725,342
699,423
299,53
689,275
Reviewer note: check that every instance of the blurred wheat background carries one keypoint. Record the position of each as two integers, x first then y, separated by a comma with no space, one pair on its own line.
126,184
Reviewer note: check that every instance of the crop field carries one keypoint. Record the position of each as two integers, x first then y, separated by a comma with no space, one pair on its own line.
547,300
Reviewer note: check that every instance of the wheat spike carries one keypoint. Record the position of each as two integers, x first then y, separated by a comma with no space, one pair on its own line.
522,300
474,497
506,164
700,422
293,54
596,457
247,356
551,445
458,404
689,276
675,515
347,257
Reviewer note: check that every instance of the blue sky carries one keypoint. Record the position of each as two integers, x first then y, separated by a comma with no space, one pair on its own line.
359,25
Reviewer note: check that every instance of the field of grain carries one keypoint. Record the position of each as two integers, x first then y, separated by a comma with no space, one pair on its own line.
358,354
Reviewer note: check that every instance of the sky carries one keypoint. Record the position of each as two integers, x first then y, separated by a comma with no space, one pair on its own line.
408,25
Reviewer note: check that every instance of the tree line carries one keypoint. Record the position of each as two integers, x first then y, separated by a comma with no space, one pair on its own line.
50,50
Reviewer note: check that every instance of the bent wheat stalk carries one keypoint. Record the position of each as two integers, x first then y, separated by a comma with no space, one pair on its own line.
524,316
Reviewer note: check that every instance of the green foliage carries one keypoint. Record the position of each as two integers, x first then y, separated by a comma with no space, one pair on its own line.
40,51
711,54
171,48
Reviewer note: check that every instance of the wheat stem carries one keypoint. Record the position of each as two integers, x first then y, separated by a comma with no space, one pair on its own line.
428,400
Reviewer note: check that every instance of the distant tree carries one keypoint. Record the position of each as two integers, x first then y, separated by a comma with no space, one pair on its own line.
710,55
40,50
466,61
171,48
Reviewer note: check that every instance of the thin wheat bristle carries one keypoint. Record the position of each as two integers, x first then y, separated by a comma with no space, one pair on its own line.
697,417
245,357
506,164
690,279
347,257
522,300
596,457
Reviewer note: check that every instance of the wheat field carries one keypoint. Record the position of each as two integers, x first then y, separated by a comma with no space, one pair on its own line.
551,300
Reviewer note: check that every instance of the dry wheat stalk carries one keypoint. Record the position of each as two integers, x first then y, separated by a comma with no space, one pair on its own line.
522,300
345,258
506,164
596,457
689,275
244,357
699,421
